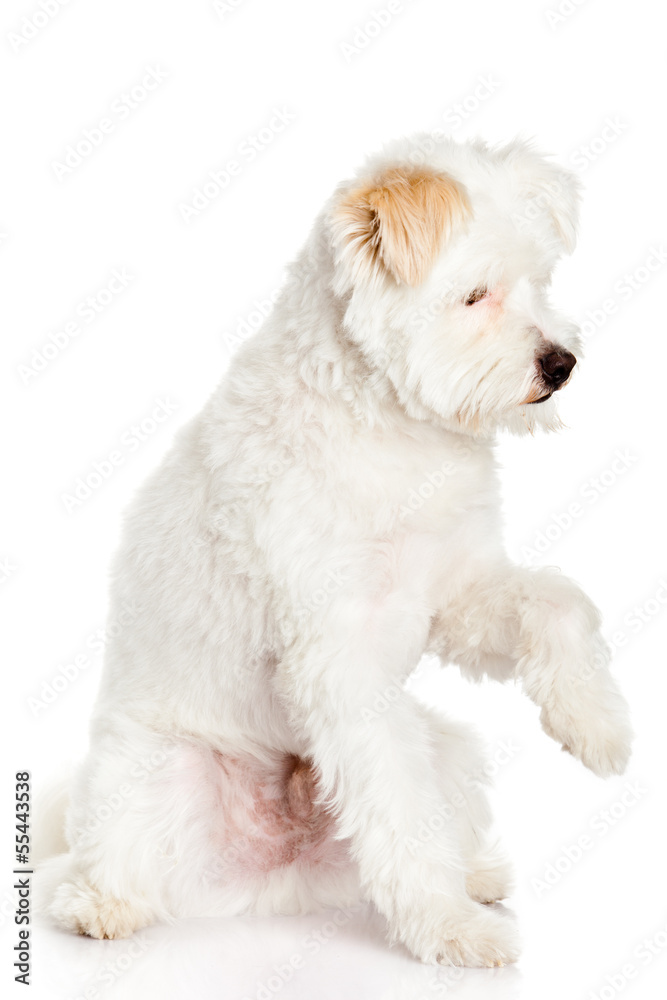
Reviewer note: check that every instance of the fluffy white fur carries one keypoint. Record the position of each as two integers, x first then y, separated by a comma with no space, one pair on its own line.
331,515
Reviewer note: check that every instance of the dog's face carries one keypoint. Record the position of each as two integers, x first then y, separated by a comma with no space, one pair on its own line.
444,268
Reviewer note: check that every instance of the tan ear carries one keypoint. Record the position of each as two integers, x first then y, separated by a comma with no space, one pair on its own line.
399,222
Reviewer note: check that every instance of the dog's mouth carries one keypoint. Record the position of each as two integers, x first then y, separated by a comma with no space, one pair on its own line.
547,395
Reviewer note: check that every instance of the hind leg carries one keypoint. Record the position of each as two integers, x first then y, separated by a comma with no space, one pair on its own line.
163,828
136,831
461,767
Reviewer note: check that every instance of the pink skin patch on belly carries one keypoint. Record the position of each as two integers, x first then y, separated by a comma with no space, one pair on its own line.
271,819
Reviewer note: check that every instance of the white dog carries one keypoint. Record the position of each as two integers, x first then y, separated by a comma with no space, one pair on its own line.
283,577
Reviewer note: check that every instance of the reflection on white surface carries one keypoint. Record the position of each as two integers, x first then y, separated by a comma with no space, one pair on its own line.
319,957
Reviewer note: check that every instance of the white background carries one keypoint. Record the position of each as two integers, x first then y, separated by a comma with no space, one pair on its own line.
167,336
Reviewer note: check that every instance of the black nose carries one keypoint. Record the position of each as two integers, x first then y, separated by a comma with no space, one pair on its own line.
556,367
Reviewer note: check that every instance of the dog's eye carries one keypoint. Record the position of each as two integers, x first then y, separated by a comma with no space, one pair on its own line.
475,296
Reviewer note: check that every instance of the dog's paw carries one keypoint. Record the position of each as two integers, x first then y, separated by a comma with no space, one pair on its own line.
487,940
460,932
598,734
489,880
83,909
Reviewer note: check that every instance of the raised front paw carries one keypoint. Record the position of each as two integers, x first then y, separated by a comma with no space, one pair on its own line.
592,726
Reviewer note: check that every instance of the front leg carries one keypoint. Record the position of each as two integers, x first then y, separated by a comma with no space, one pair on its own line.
377,761
539,626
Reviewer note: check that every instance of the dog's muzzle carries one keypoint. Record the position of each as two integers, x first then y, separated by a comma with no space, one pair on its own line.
555,369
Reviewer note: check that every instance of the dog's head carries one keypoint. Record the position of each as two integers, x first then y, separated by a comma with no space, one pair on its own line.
443,262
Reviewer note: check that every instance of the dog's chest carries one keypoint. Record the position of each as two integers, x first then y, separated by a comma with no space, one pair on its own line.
434,485
416,512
